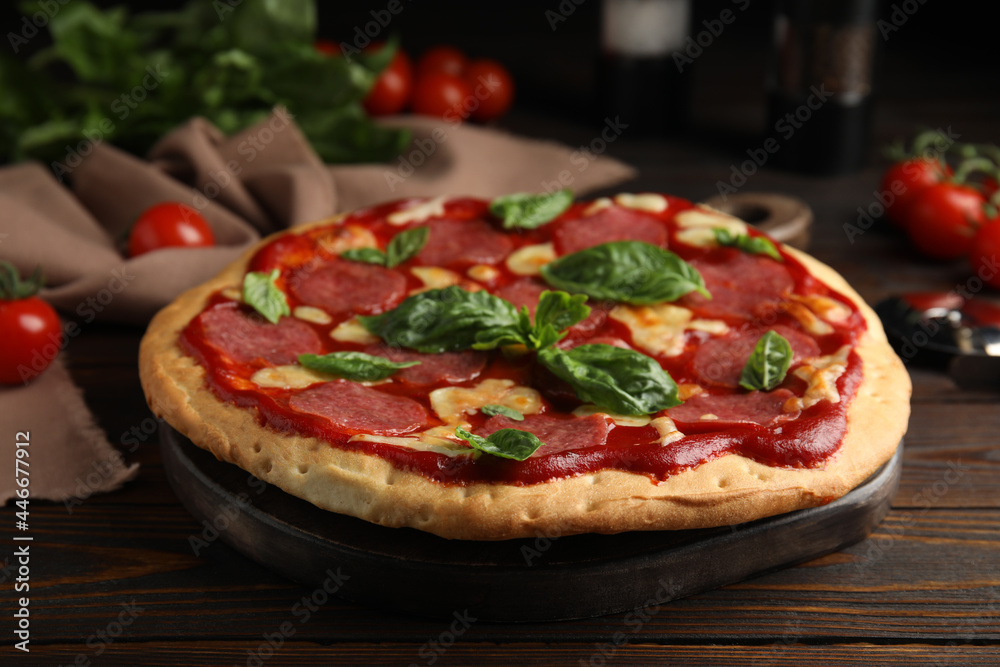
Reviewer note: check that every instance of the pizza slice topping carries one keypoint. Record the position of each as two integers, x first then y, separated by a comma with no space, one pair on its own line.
429,327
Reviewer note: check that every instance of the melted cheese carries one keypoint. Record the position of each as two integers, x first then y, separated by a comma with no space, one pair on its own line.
687,390
806,318
652,203
344,238
696,225
821,375
529,260
233,293
452,403
660,329
620,420
667,429
829,309
596,206
484,273
352,331
430,440
434,277
420,211
311,314
288,377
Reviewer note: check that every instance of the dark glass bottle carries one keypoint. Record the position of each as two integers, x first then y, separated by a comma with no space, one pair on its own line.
638,78
820,88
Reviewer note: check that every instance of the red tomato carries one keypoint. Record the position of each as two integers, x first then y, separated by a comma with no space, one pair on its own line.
944,218
442,59
393,88
326,47
30,338
990,186
443,95
905,180
493,87
985,253
166,225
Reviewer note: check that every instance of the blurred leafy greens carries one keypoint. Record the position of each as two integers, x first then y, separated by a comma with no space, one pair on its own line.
129,79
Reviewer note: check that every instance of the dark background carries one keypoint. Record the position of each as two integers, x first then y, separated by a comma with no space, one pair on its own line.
950,43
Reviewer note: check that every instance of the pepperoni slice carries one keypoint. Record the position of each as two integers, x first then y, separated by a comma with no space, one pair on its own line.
558,434
611,224
448,367
525,292
740,284
249,338
350,287
464,242
720,361
356,408
756,407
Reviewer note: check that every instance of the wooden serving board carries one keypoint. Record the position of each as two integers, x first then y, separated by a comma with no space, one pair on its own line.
542,579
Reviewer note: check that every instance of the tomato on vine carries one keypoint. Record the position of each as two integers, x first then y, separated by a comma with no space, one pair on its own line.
944,219
905,180
30,332
493,87
393,88
984,254
442,95
442,59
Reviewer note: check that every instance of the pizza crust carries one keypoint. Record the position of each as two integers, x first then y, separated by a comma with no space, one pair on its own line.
729,490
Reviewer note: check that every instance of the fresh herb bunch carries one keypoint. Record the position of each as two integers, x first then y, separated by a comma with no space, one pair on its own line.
128,79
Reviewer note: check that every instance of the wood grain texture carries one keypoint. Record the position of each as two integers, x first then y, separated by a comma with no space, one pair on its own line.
574,576
922,575
784,652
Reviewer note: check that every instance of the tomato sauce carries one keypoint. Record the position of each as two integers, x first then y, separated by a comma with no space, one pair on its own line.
806,441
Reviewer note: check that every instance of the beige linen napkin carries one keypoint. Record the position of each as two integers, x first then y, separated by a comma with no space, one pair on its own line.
261,180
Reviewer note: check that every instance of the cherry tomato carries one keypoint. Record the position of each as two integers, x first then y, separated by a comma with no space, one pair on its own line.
905,180
442,95
326,47
990,186
985,253
166,225
393,88
442,59
944,218
30,333
492,85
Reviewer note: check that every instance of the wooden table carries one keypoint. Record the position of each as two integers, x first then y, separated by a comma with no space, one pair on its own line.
923,589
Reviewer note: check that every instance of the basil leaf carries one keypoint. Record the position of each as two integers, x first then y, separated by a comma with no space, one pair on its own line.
366,255
509,443
356,366
622,381
560,310
441,320
518,333
492,410
555,312
524,210
768,363
753,245
263,295
405,245
630,271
